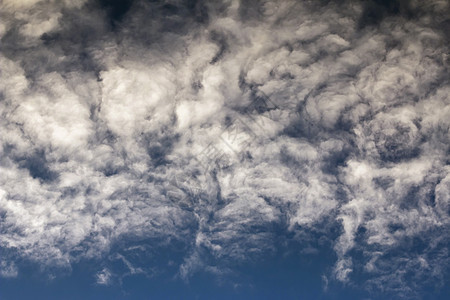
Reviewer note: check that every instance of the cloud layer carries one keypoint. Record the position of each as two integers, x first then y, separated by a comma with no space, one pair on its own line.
217,129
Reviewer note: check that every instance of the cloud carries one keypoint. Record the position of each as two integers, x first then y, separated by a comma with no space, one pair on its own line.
104,277
8,269
210,126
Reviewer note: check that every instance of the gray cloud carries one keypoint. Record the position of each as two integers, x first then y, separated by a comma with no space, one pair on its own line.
210,125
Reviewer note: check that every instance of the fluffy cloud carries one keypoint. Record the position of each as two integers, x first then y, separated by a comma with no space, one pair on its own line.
209,125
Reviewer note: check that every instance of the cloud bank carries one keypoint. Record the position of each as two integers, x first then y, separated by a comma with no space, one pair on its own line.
221,130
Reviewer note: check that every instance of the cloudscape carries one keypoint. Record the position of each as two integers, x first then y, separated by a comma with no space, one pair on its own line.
224,149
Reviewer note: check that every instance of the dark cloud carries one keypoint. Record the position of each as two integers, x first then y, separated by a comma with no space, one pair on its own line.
37,165
374,11
115,9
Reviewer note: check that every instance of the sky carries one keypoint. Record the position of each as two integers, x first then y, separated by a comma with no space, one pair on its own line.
189,149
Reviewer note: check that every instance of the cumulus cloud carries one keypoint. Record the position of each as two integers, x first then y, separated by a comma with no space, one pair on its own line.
205,127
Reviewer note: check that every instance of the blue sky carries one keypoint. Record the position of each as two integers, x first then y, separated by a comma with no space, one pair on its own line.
224,149
288,278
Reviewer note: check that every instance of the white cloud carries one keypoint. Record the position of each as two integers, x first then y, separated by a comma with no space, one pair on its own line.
8,269
104,277
338,120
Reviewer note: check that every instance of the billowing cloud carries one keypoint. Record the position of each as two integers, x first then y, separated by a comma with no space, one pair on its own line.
217,129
